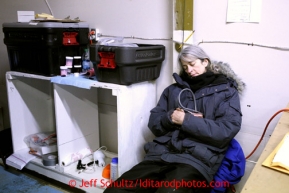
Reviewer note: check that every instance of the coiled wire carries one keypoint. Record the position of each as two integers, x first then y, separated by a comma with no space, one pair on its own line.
184,108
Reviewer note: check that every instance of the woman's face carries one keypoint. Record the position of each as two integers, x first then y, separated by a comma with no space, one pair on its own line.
195,68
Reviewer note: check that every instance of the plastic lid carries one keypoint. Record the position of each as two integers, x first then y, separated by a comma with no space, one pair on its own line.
63,67
114,160
77,66
77,57
69,57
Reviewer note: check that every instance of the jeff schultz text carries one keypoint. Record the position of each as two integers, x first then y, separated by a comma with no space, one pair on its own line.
149,183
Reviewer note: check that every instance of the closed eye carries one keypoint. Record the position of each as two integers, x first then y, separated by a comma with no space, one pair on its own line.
192,63
188,64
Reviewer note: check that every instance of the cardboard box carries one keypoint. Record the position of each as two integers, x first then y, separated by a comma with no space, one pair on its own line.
25,16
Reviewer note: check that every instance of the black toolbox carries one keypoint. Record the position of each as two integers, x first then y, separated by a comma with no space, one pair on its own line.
127,65
42,48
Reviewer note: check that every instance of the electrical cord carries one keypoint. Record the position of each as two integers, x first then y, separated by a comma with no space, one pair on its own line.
202,42
232,187
90,167
244,43
266,127
134,37
184,108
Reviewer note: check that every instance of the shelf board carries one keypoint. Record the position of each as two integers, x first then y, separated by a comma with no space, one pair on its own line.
9,75
90,180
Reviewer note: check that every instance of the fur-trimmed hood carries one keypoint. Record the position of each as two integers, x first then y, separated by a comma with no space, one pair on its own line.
219,67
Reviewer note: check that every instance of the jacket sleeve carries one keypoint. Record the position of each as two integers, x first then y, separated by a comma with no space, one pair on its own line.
159,121
220,131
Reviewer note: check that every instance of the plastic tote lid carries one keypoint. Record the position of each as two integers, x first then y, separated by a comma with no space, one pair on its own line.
114,160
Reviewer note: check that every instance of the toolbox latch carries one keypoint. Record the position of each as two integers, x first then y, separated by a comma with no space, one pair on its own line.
106,60
69,38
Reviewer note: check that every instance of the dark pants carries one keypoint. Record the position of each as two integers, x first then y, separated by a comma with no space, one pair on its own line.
160,177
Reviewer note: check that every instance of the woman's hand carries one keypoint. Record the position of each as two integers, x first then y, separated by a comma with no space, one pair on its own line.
178,116
200,115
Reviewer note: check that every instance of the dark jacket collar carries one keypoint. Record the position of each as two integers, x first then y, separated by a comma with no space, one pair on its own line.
219,79
180,82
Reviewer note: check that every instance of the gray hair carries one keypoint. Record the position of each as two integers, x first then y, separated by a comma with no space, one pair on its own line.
191,53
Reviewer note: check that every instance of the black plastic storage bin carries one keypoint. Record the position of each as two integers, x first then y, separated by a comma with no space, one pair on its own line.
127,65
42,48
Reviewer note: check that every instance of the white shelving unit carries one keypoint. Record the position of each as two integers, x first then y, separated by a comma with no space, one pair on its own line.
105,114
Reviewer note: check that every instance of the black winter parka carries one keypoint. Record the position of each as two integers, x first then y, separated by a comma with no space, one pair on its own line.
199,142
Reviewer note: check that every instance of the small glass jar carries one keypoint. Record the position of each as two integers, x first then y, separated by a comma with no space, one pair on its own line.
63,71
77,70
77,60
69,61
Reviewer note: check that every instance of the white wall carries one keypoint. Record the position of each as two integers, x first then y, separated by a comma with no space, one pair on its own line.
264,70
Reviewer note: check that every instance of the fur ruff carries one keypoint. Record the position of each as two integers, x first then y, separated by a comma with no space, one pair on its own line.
224,68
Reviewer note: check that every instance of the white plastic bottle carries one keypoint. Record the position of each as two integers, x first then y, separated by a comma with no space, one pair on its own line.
114,169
